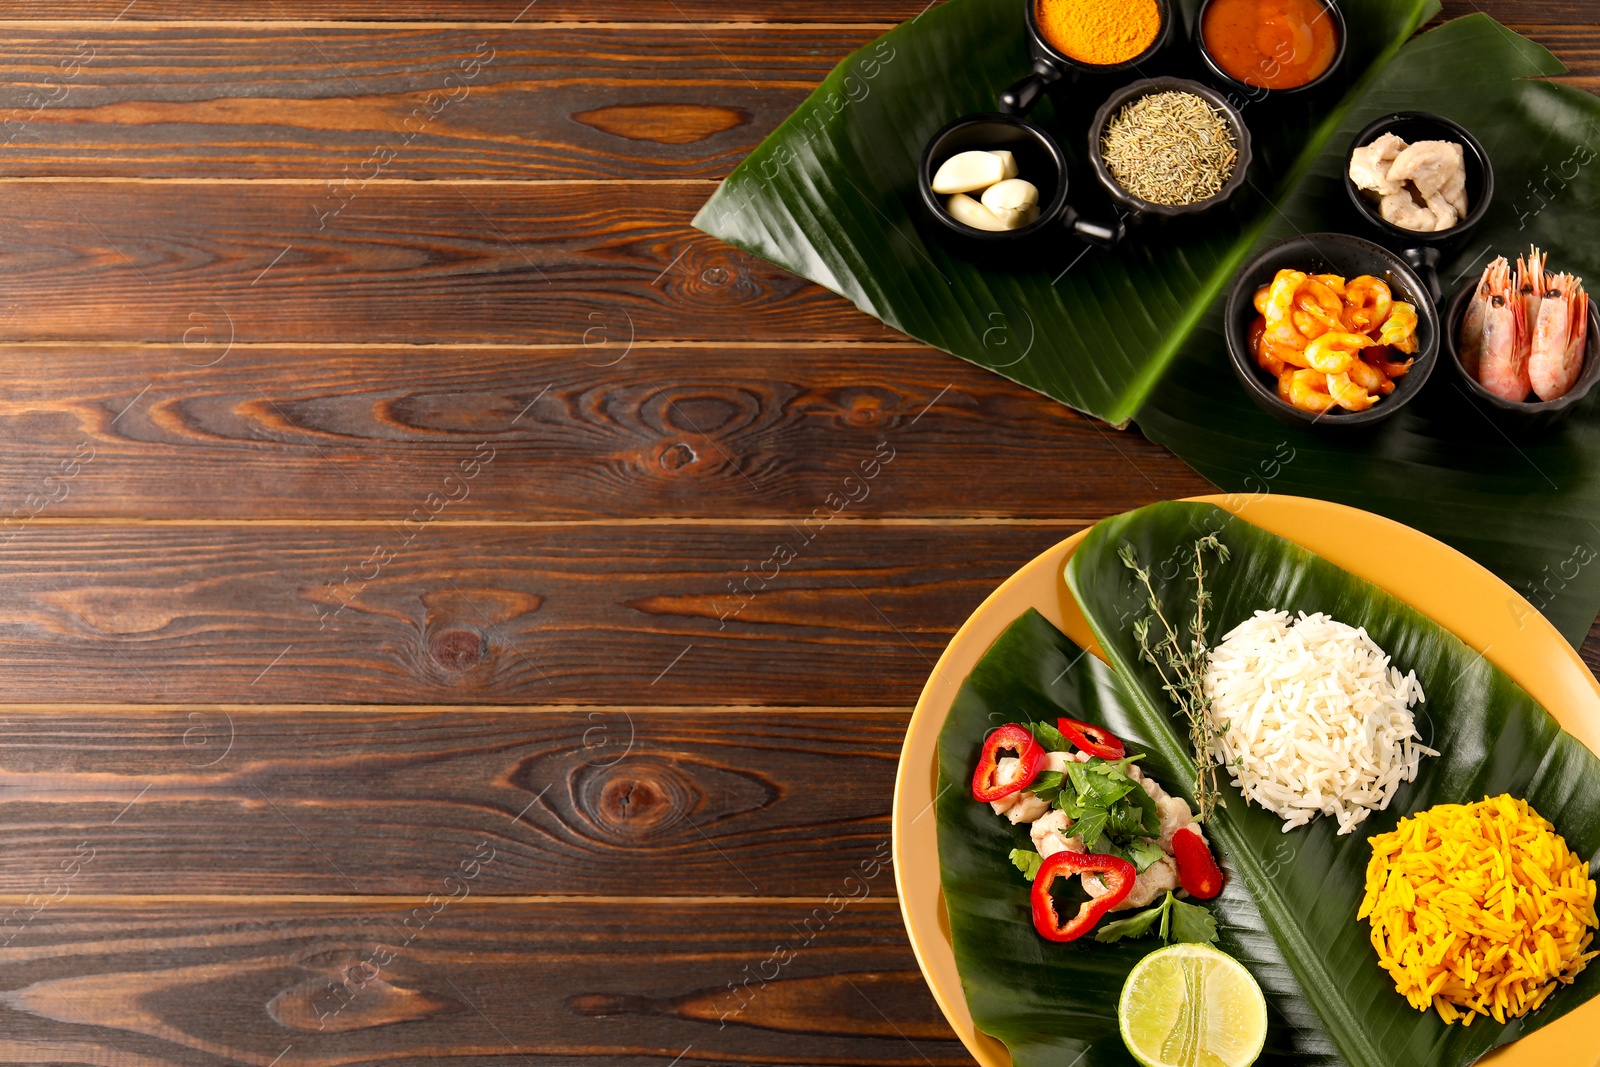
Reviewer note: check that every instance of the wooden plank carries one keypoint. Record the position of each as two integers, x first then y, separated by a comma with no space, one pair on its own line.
760,802
577,432
346,105
410,612
611,985
405,263
1526,12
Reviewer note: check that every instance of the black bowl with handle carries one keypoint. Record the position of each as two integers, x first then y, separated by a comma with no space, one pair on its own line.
1517,417
1039,160
1051,66
1423,249
1349,257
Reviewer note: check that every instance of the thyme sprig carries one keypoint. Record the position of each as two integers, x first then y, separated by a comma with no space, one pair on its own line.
1182,665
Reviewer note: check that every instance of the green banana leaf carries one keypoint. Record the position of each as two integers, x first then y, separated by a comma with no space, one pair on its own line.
1056,1004
1523,508
1492,738
831,196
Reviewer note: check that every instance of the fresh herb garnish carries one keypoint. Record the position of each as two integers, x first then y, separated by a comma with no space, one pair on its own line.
1173,919
1048,736
1027,862
1182,669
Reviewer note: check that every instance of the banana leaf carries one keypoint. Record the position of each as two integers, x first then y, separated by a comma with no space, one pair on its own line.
1056,1004
831,196
1491,735
1523,508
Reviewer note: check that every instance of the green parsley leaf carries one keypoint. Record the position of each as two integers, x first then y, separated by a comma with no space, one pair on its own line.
1090,826
1049,737
1191,922
1142,852
1138,924
1027,862
1047,785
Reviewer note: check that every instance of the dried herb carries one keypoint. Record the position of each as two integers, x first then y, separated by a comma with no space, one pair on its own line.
1182,666
1170,148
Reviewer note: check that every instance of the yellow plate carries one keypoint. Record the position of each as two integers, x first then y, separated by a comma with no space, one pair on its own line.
1435,579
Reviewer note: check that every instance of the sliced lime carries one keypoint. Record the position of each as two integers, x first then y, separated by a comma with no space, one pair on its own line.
1189,1005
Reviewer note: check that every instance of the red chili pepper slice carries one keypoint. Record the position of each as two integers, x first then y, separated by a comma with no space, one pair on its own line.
1116,873
1095,740
1017,739
1197,870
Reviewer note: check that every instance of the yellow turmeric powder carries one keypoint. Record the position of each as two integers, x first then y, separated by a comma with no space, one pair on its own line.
1098,32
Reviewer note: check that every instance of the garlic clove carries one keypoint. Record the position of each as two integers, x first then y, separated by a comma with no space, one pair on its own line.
1014,202
969,212
1008,163
967,172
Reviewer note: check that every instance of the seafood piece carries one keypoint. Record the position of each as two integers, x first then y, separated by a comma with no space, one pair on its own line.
1556,351
1400,328
1368,301
1369,165
1260,300
1438,169
1530,283
1378,355
1018,807
1332,352
1402,210
1369,377
1308,390
1049,834
1348,395
1332,281
1154,880
1503,366
1471,340
1266,358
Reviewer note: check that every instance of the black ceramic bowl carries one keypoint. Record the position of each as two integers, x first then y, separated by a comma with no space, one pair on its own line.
1424,249
1258,92
1050,65
1144,87
1519,416
1039,160
1328,253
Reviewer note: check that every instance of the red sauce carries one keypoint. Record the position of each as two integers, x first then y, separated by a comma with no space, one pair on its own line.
1272,44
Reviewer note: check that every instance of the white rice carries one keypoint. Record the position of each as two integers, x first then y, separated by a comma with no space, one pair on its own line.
1311,718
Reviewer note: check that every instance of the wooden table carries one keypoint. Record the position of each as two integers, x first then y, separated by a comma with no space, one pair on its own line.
442,613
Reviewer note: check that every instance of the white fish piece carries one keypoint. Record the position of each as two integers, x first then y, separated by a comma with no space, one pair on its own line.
1438,170
1369,164
1402,210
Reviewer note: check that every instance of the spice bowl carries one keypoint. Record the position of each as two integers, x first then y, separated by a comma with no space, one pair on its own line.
1051,64
1039,160
1424,249
1138,206
1350,257
1269,65
1518,417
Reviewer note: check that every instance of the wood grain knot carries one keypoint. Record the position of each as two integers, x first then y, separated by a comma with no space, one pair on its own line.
456,650
635,800
716,277
676,457
663,123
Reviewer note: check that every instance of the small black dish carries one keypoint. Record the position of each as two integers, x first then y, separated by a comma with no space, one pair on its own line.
1144,87
1050,66
1039,160
1328,253
1261,92
1423,250
1519,417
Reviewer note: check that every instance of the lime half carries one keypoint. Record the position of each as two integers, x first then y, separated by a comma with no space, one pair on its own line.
1189,1005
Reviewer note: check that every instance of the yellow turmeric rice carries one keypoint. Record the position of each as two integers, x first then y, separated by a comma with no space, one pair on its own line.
1478,909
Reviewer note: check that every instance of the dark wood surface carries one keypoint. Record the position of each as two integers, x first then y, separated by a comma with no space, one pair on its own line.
378,525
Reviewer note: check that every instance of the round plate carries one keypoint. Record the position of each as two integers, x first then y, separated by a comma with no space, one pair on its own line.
1430,576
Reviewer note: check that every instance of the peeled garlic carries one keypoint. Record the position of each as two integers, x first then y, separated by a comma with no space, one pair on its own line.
1008,163
966,210
967,172
1014,202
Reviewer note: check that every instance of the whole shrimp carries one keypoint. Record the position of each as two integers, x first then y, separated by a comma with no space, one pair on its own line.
1531,283
1279,308
1332,353
1556,350
1472,322
1503,366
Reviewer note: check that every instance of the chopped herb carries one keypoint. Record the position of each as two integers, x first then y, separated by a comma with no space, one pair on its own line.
1049,737
1173,919
1027,862
1170,148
